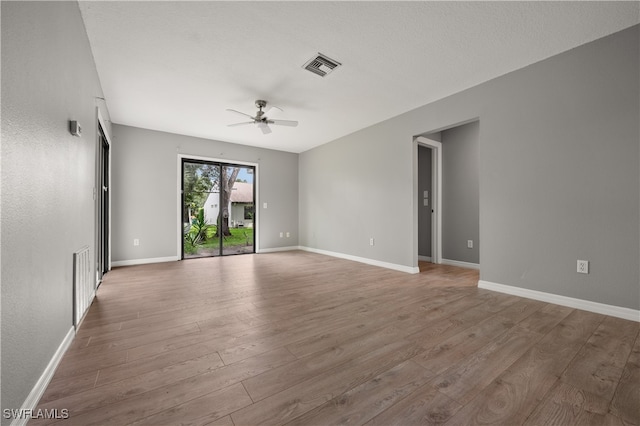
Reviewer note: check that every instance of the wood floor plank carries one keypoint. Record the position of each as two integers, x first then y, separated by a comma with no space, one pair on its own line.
254,346
441,355
499,302
163,321
335,337
74,364
268,342
279,379
521,309
440,330
516,392
302,338
364,322
545,319
367,320
626,400
367,400
422,325
224,421
470,376
424,406
64,385
59,387
222,338
134,341
117,391
117,409
567,405
599,365
202,410
285,406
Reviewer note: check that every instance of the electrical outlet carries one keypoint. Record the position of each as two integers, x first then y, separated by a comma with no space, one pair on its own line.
583,266
469,243
372,242
136,242
281,235
288,234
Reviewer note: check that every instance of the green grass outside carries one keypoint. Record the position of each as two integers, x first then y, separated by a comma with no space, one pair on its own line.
239,237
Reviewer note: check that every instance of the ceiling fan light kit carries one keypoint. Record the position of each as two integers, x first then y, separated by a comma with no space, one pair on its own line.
260,119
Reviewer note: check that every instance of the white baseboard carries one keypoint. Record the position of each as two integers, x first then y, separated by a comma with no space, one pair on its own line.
460,264
41,385
276,249
394,266
144,261
585,305
424,258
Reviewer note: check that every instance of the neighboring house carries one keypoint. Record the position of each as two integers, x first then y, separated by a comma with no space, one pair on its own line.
241,206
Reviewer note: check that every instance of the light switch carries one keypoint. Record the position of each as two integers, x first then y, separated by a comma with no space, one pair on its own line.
426,201
426,194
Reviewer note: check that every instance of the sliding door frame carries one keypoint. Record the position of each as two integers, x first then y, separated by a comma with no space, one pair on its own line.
224,162
102,197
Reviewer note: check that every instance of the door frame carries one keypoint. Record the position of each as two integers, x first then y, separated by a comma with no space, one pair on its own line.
436,198
97,191
180,158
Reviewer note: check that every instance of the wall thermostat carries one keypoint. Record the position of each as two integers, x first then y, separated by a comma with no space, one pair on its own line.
75,129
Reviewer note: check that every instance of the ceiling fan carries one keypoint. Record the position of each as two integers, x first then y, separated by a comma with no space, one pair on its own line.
261,120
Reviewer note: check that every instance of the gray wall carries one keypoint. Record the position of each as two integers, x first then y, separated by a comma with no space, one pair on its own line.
48,78
424,212
460,193
558,170
357,188
145,190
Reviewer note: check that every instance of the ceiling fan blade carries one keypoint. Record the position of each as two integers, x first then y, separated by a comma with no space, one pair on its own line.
241,113
265,128
272,107
240,124
290,123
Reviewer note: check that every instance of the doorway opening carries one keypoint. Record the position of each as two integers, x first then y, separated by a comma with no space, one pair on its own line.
218,208
449,156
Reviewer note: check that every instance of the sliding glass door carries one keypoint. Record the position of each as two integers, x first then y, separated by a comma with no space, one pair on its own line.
218,209
102,199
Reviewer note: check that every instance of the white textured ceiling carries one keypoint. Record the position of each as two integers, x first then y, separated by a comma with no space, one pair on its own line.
176,66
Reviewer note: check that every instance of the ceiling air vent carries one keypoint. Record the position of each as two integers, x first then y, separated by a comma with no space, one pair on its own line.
321,65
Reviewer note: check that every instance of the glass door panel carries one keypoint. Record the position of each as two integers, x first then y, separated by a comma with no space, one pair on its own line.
237,219
200,204
217,209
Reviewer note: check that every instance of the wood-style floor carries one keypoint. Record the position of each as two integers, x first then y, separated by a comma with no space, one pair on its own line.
305,339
